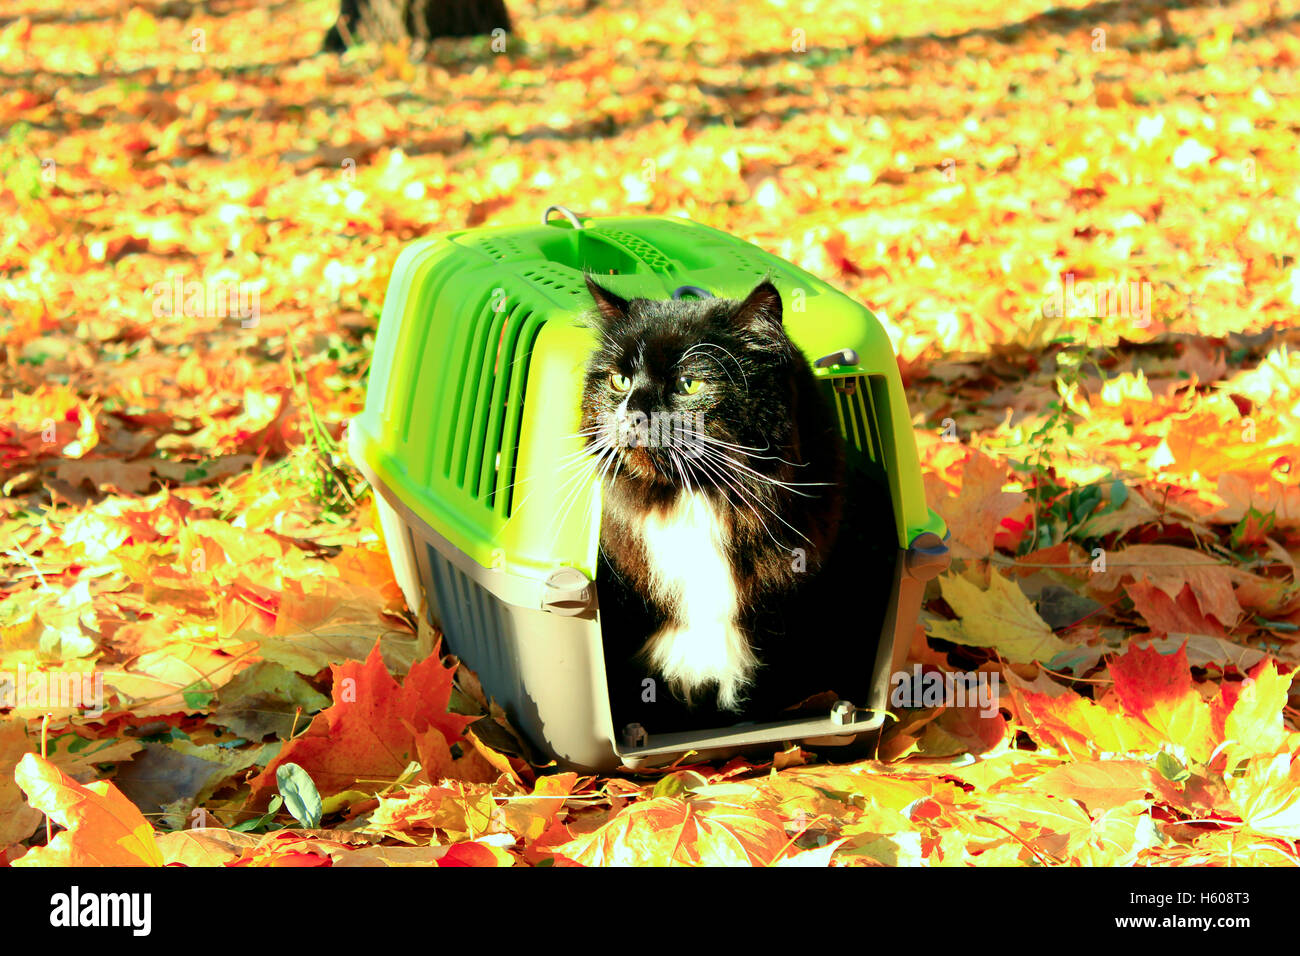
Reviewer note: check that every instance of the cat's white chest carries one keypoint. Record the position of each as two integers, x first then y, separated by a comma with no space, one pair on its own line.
686,554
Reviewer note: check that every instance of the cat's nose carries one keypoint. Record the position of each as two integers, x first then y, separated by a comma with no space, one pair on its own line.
634,416
644,400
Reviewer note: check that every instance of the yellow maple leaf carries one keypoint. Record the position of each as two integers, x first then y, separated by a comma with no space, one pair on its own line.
104,828
1001,618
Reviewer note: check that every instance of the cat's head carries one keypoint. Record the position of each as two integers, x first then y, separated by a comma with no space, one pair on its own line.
691,393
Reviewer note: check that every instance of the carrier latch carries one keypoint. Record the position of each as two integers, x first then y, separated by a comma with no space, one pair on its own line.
928,556
842,712
842,357
567,591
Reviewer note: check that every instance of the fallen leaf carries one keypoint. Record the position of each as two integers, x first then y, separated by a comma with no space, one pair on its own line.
103,828
1001,618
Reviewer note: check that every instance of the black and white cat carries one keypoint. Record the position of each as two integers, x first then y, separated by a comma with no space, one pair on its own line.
723,498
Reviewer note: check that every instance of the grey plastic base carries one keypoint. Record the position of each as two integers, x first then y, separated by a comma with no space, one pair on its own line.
547,668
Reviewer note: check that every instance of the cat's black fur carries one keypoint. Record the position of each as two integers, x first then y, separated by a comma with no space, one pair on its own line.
811,616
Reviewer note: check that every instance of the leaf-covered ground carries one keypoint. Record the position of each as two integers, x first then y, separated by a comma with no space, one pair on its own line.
1119,474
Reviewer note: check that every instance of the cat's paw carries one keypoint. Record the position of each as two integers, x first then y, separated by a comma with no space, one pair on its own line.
696,660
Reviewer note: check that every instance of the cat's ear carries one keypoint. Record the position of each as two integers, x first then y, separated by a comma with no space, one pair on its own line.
761,310
611,307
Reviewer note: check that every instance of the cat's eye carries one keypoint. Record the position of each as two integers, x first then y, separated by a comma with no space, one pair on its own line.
687,385
620,383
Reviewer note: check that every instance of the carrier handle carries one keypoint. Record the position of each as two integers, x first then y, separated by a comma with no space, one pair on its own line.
842,357
567,592
698,292
564,211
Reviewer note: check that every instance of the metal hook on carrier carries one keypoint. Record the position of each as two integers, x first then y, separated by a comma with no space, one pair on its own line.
694,290
564,211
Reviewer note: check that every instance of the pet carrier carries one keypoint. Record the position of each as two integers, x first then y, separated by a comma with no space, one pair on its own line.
474,397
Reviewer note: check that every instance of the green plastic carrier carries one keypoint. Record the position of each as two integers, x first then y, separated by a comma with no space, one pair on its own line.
472,411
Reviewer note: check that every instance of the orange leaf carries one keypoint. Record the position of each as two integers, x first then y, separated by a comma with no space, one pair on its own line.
104,828
1167,615
287,848
369,734
976,513
672,832
475,854
531,816
1170,569
1157,689
1076,724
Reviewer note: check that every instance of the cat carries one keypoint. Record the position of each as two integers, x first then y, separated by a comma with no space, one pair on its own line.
723,495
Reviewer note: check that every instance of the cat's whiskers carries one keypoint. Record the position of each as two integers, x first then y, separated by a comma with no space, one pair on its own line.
563,463
746,497
730,444
677,464
790,486
604,450
573,485
742,475
726,352
747,451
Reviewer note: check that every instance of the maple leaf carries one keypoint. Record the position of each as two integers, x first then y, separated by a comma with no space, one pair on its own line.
1165,615
1254,726
668,831
530,817
1001,618
1078,725
974,515
333,622
1048,822
103,827
1105,784
95,390
18,821
369,733
1268,796
1158,690
204,846
287,848
1169,570
437,762
422,807
1116,836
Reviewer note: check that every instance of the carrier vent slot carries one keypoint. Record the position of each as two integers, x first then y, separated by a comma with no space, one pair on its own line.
471,618
481,453
562,279
504,498
857,415
465,449
501,441
748,264
492,411
639,248
500,247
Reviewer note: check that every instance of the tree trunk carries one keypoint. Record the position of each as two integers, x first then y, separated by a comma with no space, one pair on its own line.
380,21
